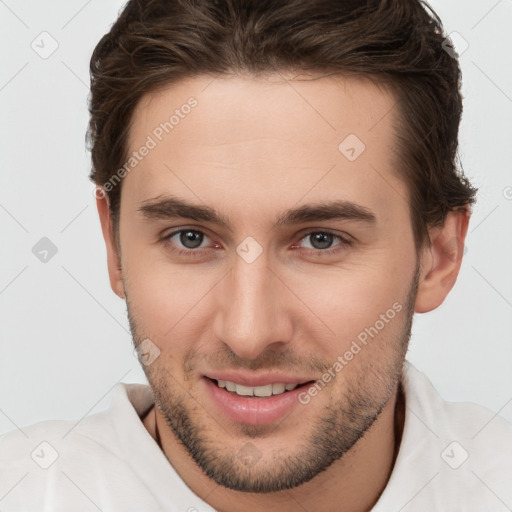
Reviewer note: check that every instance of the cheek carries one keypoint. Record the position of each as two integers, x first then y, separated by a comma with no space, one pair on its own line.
333,306
167,300
152,297
340,304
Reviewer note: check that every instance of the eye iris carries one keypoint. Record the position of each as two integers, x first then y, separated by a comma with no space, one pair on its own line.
321,240
191,239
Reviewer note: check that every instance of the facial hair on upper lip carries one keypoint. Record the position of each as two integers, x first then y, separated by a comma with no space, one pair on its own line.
337,429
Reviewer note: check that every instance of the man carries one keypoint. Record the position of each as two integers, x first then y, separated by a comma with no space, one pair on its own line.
278,195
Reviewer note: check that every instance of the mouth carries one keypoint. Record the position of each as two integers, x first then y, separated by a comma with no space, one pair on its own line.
263,404
264,391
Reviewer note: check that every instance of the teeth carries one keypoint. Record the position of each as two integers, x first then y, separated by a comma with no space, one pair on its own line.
262,391
244,390
277,389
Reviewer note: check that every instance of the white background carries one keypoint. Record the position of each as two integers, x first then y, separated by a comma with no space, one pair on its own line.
64,339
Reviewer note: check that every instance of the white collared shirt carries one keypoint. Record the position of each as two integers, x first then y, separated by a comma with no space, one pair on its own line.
453,457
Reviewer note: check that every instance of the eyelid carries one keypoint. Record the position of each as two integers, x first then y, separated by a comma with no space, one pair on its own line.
171,234
302,234
345,240
340,234
179,229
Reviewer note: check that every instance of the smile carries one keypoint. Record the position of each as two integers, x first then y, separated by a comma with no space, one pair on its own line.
264,402
260,391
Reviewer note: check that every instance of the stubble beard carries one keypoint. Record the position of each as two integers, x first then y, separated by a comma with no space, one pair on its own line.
336,431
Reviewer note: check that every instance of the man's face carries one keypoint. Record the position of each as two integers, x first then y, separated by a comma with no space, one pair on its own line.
259,302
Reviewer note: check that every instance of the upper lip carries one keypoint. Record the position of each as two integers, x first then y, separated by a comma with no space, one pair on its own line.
261,379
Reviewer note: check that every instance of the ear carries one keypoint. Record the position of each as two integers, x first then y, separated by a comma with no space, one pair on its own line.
113,258
440,263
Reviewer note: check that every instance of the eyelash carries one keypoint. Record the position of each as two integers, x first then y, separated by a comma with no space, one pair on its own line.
344,243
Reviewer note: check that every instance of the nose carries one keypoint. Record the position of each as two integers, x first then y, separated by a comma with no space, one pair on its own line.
252,312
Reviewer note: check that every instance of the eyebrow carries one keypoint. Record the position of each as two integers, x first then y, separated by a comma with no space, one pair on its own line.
171,207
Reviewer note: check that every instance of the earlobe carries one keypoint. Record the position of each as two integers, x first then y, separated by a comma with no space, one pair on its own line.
440,263
113,257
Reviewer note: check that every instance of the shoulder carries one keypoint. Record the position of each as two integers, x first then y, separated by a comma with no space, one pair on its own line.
465,419
94,432
40,460
453,456
45,449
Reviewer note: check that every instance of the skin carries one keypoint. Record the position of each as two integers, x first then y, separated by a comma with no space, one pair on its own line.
251,149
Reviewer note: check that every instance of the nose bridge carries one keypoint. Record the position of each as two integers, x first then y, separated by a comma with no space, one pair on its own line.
249,319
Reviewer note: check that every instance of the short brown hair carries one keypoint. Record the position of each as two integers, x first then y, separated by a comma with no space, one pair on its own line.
397,43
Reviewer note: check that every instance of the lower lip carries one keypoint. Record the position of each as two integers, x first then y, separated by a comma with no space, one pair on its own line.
253,410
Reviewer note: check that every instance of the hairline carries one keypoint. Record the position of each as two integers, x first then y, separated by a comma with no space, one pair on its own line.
380,80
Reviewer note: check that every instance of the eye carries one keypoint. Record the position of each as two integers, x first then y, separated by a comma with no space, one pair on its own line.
186,241
320,240
191,242
324,242
191,239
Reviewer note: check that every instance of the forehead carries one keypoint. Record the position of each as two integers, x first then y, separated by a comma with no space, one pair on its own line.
232,107
264,137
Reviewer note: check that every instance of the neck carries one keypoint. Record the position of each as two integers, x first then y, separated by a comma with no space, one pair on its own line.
351,484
